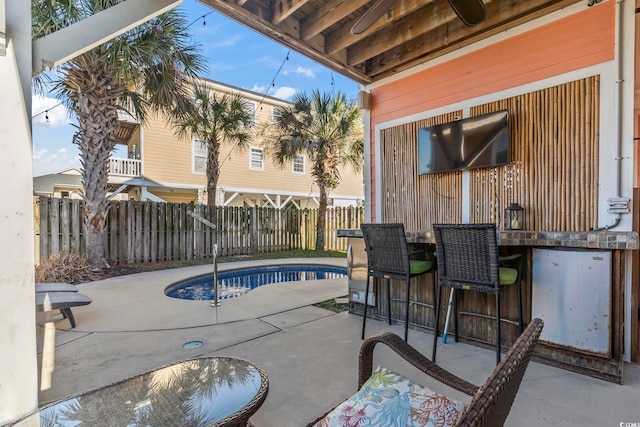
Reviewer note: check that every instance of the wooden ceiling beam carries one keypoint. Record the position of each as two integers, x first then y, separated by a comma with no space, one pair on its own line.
282,9
408,28
413,32
327,15
502,16
498,12
257,16
342,38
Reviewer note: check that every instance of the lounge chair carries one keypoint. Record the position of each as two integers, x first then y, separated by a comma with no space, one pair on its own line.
55,287
59,296
386,396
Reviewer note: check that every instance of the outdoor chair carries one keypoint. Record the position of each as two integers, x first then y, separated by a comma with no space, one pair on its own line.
386,398
388,257
61,300
468,260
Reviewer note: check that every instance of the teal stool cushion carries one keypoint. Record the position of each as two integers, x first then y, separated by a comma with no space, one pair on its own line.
508,275
419,266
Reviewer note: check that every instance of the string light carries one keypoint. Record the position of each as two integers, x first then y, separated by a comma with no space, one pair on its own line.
46,112
204,23
272,84
203,17
333,83
273,81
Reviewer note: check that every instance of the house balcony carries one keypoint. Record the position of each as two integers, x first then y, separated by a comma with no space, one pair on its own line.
125,167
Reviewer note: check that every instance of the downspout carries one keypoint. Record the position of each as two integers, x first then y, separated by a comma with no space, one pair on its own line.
619,82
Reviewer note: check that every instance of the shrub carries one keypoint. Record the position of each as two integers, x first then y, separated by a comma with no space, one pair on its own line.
65,269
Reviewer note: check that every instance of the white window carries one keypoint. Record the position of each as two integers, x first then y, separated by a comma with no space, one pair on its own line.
273,114
199,156
256,158
251,109
298,164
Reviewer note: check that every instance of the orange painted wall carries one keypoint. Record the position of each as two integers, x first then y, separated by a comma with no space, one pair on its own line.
583,39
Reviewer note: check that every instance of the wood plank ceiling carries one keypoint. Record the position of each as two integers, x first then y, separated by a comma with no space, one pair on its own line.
410,33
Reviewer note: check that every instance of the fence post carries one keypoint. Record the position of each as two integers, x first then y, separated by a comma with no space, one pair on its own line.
254,230
151,232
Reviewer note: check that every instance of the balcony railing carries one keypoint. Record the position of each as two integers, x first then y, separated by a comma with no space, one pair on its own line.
125,167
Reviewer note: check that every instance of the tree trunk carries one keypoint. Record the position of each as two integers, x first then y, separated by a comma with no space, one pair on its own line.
98,125
322,216
213,171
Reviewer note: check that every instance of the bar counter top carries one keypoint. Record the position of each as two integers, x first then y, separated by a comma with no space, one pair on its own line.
568,239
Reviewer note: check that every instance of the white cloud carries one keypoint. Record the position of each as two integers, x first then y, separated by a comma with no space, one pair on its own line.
40,154
46,162
284,92
306,72
227,42
48,112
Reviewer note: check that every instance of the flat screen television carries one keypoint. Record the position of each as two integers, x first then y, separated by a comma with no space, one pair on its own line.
475,142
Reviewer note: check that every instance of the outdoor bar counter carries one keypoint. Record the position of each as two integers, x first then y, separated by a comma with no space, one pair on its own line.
574,281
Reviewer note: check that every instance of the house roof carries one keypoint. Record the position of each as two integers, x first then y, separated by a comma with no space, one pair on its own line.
410,33
46,184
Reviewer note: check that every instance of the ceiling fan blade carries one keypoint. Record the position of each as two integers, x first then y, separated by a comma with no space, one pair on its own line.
471,12
371,16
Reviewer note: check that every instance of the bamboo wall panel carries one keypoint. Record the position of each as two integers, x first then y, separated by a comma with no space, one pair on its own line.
554,169
553,173
415,200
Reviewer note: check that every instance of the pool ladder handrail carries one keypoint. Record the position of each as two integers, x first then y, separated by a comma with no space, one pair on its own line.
215,302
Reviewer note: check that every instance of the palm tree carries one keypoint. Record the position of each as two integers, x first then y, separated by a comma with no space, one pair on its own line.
214,119
145,69
325,128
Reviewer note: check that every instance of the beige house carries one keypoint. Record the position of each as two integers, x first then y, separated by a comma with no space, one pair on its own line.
163,167
64,184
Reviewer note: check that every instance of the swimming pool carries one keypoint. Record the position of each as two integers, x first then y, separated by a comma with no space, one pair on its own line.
234,283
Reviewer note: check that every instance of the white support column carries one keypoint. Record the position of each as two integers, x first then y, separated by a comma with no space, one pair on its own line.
19,372
3,38
18,352
230,199
268,199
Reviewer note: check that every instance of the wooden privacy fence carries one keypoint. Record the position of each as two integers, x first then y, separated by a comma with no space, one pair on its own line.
140,232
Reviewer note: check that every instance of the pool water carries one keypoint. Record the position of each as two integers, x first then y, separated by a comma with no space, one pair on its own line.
234,283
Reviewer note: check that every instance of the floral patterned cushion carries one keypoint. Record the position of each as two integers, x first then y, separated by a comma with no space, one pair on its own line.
389,399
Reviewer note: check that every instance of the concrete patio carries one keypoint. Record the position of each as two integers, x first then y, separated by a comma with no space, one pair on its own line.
309,354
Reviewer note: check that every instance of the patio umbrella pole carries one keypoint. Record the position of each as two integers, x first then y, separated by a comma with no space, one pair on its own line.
446,322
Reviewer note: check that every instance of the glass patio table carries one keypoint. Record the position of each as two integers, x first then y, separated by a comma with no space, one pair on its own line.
210,391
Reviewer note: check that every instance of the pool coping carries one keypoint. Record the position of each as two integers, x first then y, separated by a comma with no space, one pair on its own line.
137,302
239,287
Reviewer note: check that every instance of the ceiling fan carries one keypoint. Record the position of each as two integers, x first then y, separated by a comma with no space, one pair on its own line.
471,12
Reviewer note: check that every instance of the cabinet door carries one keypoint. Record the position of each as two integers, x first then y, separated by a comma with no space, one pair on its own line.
572,294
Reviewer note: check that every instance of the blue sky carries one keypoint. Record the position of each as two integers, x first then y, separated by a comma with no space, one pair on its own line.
236,55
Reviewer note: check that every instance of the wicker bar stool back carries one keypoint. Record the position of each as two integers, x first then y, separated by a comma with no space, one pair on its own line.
468,259
388,257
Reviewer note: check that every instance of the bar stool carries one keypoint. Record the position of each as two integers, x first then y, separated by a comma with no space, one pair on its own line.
468,259
388,257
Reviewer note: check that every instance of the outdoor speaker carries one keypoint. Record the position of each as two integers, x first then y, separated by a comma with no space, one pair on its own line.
364,100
